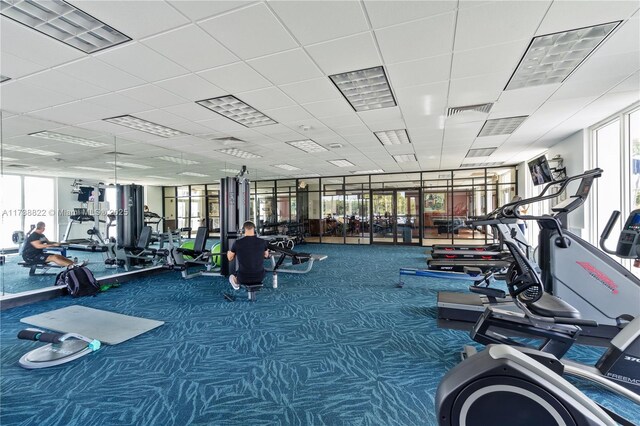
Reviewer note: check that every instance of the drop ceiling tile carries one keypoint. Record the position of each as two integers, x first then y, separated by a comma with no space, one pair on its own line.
476,90
316,21
563,15
153,95
119,104
23,97
422,71
288,114
320,89
20,125
191,87
187,46
424,100
630,84
33,46
286,67
386,13
60,82
353,133
262,33
346,120
235,78
328,108
136,19
73,113
99,73
500,58
268,98
198,9
190,111
142,62
495,22
525,101
221,124
346,54
16,67
417,39
370,118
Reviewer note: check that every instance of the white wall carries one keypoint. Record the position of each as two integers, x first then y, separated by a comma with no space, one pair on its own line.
573,151
153,198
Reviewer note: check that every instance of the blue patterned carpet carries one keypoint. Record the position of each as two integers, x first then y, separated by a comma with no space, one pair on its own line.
338,346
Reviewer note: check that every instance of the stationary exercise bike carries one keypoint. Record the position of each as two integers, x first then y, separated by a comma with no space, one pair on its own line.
526,383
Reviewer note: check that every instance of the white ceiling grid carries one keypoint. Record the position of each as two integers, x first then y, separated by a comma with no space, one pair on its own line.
276,56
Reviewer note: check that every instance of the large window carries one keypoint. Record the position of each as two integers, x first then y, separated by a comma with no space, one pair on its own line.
608,158
615,147
11,202
39,200
634,158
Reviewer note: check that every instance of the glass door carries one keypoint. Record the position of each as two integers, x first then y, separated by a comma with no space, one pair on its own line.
395,216
382,217
407,216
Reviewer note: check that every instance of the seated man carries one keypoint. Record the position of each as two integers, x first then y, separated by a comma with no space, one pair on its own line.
35,245
250,252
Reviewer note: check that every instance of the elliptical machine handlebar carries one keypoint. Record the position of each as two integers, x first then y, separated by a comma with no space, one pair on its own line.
511,209
607,231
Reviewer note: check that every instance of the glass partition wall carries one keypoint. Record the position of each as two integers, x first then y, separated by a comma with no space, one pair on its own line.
400,208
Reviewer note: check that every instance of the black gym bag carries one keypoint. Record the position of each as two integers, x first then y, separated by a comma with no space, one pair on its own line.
79,280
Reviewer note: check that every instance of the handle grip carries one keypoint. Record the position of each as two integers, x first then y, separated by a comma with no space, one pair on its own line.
39,336
607,230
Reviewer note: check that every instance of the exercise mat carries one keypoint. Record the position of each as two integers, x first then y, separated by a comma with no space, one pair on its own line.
108,327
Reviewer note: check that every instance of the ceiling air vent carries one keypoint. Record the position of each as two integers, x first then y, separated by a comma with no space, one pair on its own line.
18,166
483,108
335,145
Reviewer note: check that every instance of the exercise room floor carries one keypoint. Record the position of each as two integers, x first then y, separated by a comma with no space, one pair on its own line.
340,345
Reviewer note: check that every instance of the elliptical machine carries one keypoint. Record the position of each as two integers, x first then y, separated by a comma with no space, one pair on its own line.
526,383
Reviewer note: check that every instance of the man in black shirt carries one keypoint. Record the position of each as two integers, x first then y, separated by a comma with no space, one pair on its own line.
33,251
249,252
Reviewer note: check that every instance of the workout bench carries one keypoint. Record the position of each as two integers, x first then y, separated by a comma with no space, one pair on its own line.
34,267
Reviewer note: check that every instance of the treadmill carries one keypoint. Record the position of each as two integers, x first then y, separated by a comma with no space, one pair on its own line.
94,243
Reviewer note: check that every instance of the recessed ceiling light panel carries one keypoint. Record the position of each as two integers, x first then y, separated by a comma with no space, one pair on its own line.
131,165
494,164
144,126
236,110
159,177
28,150
308,146
230,170
480,152
60,137
501,126
177,160
405,158
365,89
97,169
194,174
64,22
342,163
552,58
367,172
393,137
239,153
286,167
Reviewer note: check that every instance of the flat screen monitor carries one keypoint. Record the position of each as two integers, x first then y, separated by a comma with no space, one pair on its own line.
86,194
540,171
